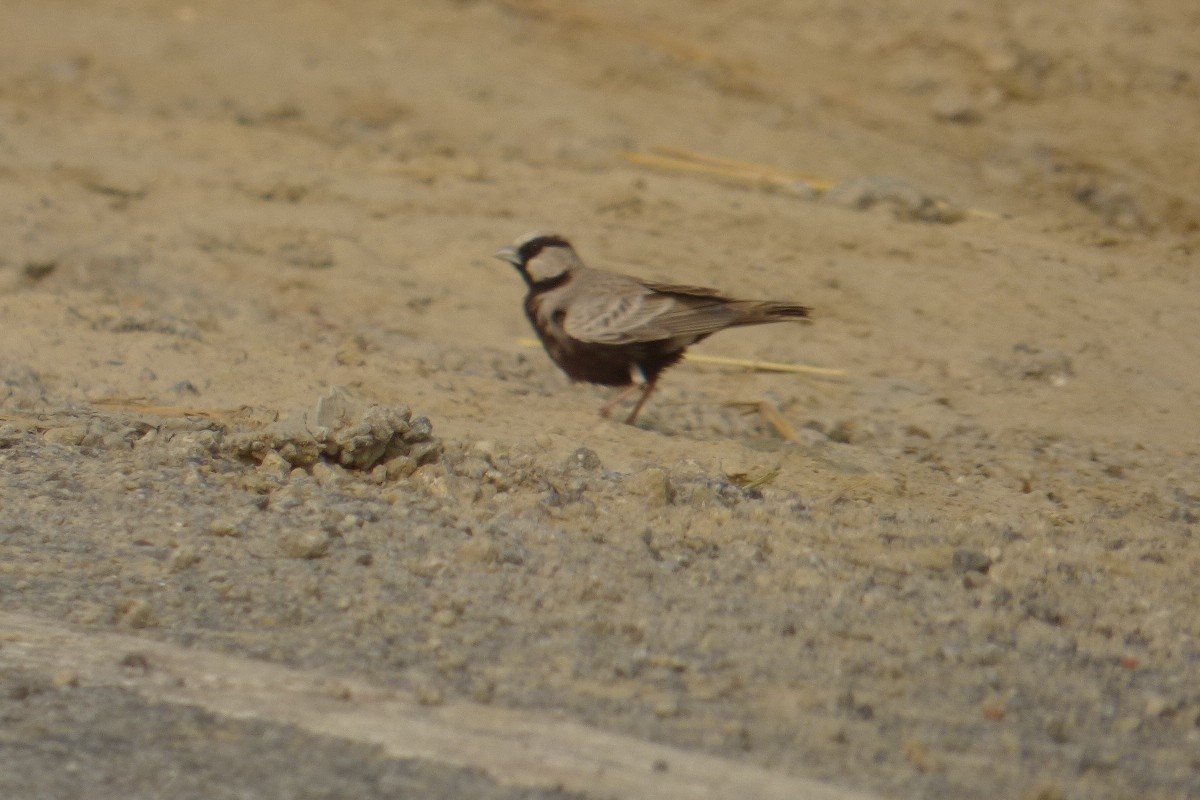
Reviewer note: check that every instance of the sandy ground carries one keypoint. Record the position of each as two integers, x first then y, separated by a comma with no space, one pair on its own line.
965,569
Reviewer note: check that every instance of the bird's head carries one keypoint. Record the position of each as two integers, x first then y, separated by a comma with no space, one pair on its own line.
541,258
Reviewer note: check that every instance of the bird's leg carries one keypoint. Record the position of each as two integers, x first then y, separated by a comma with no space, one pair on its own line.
607,409
647,390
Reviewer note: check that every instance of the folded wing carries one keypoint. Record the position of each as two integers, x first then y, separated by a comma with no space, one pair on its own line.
644,314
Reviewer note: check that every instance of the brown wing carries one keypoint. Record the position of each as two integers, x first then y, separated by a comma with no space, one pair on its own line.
681,289
638,312
617,317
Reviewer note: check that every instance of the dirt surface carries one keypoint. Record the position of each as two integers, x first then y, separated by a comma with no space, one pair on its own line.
106,742
262,389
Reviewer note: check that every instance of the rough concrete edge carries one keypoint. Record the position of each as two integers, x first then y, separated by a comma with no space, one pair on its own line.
515,748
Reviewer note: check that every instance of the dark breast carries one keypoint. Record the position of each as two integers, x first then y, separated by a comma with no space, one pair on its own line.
606,364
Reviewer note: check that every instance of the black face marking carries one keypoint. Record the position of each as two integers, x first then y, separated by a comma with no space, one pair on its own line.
537,244
545,285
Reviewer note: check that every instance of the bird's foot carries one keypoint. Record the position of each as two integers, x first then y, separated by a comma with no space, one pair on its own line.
647,390
607,409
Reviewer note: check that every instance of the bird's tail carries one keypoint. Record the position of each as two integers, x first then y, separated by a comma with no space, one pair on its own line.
760,312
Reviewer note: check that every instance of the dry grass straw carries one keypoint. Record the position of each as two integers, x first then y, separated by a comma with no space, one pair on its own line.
244,417
764,366
771,415
241,417
745,173
675,159
672,45
741,363
138,405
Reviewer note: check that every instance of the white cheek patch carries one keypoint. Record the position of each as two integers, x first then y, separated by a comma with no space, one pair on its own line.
541,269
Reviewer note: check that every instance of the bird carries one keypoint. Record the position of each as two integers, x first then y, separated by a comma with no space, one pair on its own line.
600,326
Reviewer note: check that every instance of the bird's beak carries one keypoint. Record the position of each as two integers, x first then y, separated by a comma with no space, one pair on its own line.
506,254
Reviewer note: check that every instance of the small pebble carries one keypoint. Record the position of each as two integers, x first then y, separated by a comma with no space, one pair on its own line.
339,691
652,485
65,678
225,527
275,466
182,557
10,435
68,434
956,106
135,614
307,544
135,664
349,523
399,467
445,617
584,459
429,696
419,430
844,432
425,452
479,549
667,708
971,561
326,474
483,691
